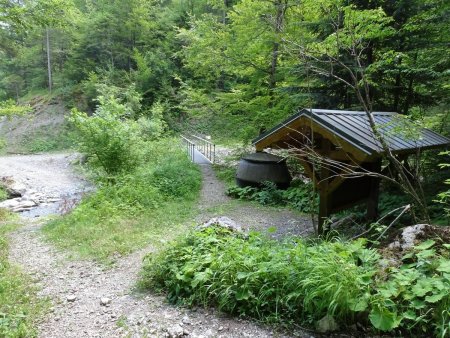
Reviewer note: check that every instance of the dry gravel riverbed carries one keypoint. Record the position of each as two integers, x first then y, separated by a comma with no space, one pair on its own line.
90,300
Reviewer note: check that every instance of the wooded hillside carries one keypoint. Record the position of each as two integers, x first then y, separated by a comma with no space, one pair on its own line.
242,64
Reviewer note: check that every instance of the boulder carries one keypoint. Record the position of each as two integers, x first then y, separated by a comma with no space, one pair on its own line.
408,236
327,324
175,331
223,222
13,189
18,204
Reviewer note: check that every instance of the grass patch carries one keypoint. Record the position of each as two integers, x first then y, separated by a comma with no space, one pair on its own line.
301,282
226,174
20,308
145,206
3,194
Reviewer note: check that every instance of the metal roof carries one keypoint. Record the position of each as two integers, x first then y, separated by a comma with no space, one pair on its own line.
353,126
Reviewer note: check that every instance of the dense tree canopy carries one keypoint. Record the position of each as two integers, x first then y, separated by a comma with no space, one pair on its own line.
231,60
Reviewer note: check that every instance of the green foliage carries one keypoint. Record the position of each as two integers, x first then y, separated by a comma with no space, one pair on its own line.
291,282
3,194
111,138
444,197
301,282
20,308
9,109
414,295
300,196
144,205
154,126
110,141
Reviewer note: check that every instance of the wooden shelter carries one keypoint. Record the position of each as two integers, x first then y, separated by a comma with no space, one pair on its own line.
344,139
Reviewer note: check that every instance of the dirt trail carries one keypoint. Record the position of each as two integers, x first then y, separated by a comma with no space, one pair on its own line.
279,222
78,288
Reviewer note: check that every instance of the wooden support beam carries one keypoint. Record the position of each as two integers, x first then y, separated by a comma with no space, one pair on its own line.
324,193
372,201
324,210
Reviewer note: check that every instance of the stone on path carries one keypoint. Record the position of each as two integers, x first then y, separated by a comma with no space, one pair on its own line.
175,331
327,324
71,298
223,222
104,301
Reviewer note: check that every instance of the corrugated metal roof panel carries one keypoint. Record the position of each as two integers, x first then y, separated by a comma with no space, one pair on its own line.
354,127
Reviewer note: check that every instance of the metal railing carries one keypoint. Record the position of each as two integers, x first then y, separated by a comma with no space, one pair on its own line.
190,147
205,147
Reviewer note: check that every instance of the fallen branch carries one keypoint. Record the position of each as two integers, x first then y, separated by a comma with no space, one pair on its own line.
406,208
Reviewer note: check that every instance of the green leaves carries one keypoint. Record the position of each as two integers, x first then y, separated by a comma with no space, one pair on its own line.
9,109
425,245
414,293
265,279
383,319
444,265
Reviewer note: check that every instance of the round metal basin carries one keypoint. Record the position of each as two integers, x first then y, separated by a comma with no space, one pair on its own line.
256,168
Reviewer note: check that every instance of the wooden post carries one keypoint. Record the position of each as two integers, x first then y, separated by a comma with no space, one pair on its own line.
324,210
372,201
325,195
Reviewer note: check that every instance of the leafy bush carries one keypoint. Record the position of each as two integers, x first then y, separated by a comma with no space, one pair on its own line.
154,127
300,196
9,108
264,279
415,295
301,282
109,142
444,197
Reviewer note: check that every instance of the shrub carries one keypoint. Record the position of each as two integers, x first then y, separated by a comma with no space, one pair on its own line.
415,295
154,127
302,282
110,142
257,277
444,197
134,209
300,197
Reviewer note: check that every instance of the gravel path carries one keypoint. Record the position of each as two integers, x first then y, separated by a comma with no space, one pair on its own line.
89,300
277,222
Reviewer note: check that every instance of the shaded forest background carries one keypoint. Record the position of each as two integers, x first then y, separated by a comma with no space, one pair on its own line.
229,67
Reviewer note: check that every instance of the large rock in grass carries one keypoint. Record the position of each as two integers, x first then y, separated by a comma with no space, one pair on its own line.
18,204
409,235
327,324
13,189
223,222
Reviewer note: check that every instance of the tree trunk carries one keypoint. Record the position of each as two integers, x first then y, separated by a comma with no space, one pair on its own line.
409,95
49,62
397,87
279,21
